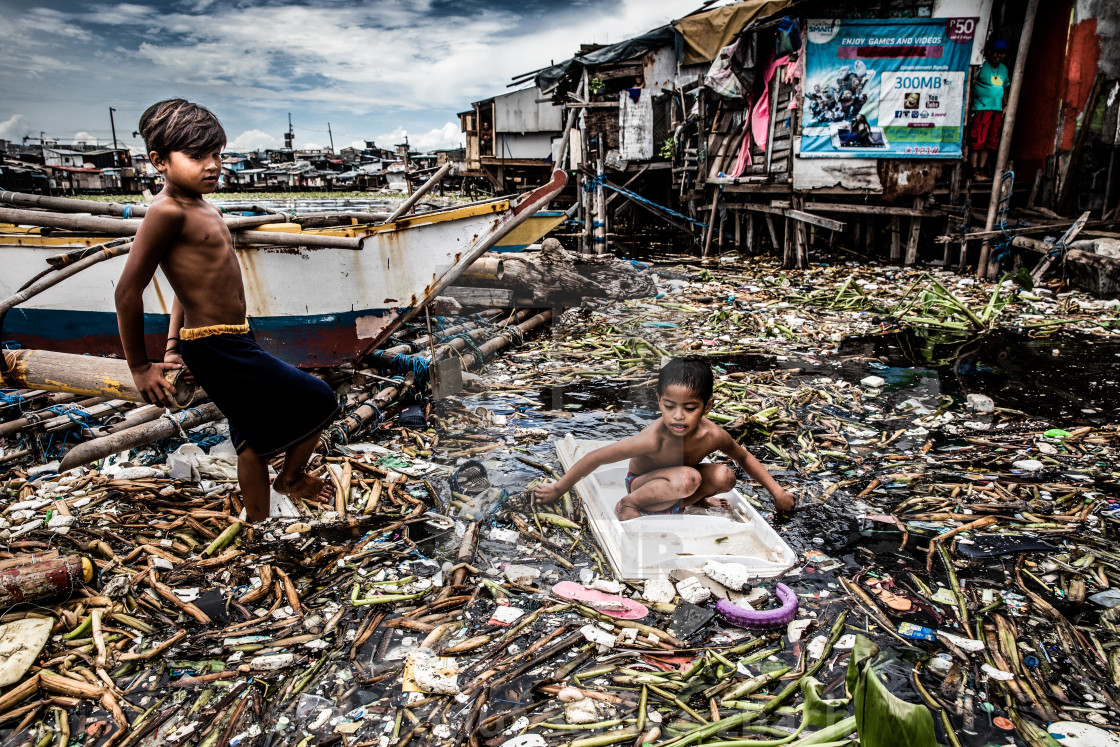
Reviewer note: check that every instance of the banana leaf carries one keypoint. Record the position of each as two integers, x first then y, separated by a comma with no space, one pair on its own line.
882,719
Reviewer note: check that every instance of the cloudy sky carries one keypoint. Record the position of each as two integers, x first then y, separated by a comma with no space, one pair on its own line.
375,69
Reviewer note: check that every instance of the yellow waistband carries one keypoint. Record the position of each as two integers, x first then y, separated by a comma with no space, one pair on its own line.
194,333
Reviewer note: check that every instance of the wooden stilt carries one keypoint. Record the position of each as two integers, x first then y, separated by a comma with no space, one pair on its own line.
896,239
1010,111
915,234
711,223
787,244
773,233
751,231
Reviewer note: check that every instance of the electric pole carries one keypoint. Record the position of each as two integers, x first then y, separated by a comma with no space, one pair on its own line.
113,125
331,136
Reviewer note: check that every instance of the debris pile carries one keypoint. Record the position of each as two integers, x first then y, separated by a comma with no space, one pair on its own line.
957,577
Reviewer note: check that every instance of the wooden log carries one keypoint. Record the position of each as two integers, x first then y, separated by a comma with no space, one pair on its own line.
553,276
41,579
487,268
502,297
99,448
1096,273
82,374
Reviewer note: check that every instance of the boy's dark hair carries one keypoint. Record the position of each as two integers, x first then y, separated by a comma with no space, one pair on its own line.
692,373
177,124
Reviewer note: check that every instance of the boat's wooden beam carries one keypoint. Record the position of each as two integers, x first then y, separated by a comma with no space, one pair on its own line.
112,226
283,238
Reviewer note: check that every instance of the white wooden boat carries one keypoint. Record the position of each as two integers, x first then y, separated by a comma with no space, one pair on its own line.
653,546
310,306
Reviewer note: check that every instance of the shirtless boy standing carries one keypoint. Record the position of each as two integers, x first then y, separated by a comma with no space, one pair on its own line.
272,407
666,475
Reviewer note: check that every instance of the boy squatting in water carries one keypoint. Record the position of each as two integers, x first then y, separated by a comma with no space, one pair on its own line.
666,475
187,238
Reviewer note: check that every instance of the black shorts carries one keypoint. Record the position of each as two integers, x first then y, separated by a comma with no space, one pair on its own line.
271,406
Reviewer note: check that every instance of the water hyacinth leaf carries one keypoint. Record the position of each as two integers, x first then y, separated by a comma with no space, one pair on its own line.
1023,278
884,720
822,711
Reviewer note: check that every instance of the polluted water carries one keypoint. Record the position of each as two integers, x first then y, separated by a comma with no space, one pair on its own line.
955,578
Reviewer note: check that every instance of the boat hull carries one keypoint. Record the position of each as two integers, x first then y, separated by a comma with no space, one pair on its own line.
312,307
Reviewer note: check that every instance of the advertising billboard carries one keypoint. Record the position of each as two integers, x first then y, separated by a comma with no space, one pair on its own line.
890,88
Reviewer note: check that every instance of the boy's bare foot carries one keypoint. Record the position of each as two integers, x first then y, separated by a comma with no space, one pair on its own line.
305,487
715,502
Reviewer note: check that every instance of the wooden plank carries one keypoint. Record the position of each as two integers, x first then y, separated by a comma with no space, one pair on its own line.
842,207
797,215
499,297
816,220
1029,230
761,184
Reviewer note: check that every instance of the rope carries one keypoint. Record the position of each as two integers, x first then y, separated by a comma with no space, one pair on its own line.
471,345
514,334
77,415
405,362
599,181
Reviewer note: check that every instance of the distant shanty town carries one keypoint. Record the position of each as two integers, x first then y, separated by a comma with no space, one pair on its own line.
79,167
780,122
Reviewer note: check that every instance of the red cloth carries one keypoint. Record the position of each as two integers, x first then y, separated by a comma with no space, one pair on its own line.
983,131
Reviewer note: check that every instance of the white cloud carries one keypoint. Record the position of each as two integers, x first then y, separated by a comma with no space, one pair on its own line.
311,146
15,128
359,144
253,140
440,138
84,137
451,60
397,62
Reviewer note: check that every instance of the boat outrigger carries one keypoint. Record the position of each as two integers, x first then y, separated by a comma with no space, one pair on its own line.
314,299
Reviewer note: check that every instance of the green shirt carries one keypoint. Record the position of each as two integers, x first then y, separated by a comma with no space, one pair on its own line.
987,91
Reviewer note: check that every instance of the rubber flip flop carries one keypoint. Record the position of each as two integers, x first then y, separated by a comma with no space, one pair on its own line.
892,600
608,604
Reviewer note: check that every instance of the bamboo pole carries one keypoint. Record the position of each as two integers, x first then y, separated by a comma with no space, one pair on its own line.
285,238
982,269
492,346
422,190
112,226
71,205
341,431
108,251
99,448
